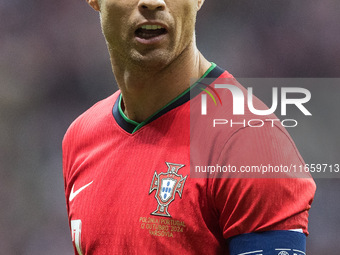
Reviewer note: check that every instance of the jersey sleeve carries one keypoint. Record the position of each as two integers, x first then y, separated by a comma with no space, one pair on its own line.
66,171
246,205
66,166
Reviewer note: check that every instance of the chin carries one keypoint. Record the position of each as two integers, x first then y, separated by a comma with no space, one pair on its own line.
152,60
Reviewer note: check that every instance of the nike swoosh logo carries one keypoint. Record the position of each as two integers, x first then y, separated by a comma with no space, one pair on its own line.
74,194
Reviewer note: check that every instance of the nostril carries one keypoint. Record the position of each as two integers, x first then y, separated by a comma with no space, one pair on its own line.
151,5
157,8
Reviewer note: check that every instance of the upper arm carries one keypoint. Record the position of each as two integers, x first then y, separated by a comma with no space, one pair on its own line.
254,205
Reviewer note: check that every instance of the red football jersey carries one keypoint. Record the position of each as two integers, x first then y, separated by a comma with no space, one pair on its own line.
128,187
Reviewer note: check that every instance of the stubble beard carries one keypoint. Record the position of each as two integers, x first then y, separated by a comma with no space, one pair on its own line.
148,59
154,60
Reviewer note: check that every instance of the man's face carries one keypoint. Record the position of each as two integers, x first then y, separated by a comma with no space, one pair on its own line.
151,33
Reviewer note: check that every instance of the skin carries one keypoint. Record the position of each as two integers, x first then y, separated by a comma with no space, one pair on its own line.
151,75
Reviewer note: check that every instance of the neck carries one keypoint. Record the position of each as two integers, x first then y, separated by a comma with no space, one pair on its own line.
144,91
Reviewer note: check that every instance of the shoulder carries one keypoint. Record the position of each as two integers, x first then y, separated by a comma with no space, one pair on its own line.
97,116
229,129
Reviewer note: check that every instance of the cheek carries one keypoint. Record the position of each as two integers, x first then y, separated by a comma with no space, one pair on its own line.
114,19
187,22
109,25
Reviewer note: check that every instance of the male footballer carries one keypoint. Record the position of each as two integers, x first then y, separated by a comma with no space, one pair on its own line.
126,160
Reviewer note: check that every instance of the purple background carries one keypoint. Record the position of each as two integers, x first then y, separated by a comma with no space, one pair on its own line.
54,65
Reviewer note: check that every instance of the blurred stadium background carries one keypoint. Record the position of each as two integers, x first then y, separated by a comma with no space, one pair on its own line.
54,65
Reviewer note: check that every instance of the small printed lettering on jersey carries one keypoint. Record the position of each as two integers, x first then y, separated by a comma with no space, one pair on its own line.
163,227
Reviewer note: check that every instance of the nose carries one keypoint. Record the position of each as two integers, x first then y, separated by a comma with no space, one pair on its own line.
151,5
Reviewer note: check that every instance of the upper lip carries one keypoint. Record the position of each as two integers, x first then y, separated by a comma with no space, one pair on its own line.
152,23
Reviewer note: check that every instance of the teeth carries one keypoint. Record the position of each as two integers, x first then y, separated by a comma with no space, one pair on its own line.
151,27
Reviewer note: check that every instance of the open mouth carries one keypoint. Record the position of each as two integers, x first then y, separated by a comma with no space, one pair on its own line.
150,31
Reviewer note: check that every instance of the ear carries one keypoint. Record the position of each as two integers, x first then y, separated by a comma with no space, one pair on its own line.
94,4
199,4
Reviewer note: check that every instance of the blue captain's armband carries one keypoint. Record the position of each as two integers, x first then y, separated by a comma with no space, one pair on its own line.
279,242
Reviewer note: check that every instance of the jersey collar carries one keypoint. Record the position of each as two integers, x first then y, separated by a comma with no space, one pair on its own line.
131,126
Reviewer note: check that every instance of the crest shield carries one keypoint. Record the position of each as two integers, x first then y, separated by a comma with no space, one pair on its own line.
167,188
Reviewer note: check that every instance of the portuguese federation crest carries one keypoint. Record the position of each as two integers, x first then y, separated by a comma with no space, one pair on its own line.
166,186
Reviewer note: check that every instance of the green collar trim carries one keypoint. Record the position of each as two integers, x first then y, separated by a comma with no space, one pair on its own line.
150,118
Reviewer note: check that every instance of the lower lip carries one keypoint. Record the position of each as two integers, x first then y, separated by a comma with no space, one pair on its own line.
153,40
